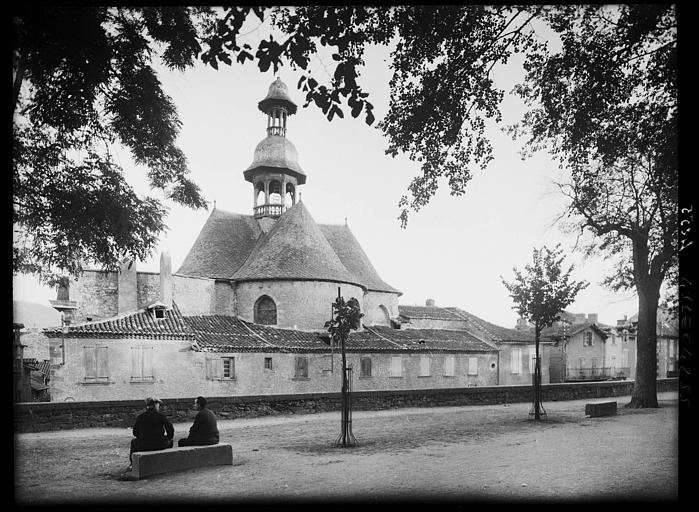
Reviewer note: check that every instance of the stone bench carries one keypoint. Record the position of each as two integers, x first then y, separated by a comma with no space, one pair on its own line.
176,459
600,409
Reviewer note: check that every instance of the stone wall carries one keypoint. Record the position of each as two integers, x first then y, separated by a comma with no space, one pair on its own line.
193,295
147,288
97,295
379,308
37,417
303,305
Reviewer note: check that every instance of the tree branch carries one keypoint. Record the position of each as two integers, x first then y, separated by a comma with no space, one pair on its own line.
19,78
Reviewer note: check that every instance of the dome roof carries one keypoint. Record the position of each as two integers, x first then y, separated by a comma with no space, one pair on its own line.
276,153
278,95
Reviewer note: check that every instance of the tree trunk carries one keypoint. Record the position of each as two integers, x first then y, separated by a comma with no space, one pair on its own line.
344,429
537,375
645,386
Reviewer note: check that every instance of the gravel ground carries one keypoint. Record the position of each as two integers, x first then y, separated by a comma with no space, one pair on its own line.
475,453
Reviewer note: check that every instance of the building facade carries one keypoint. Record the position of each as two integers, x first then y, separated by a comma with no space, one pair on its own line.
245,313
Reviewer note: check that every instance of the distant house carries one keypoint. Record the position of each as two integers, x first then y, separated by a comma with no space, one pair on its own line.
624,336
582,349
516,348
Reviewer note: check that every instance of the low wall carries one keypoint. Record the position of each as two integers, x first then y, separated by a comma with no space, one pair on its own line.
37,417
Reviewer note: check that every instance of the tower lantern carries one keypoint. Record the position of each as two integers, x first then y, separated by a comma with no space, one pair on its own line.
275,172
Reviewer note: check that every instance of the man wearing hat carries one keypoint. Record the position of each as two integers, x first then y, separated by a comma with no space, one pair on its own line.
152,430
204,430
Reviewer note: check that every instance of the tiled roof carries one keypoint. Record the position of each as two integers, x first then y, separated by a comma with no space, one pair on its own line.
222,333
39,366
223,245
294,248
354,258
219,333
427,312
476,326
138,324
433,339
560,331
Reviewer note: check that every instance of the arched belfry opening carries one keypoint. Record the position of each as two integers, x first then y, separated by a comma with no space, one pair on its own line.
290,195
265,311
275,172
275,192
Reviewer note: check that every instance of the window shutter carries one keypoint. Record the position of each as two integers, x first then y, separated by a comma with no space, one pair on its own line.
136,359
210,366
102,363
473,366
148,363
396,366
304,367
90,361
365,367
449,365
514,360
424,366
232,367
532,359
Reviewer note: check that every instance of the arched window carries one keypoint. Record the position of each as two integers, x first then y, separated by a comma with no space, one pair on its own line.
290,196
383,316
260,196
265,311
275,192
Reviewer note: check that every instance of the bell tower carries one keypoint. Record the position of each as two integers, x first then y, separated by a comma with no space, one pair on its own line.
275,172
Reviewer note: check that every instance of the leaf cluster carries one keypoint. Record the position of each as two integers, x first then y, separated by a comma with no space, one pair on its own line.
83,81
346,316
543,289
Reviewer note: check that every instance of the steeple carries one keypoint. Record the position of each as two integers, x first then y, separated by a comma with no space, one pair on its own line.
275,172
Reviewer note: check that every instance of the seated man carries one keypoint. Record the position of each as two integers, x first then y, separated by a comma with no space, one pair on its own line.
152,430
203,431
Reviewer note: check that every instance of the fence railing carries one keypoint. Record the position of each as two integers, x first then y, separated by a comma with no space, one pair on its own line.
274,210
598,373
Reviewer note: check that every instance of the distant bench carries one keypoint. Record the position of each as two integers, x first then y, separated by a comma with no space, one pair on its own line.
175,459
600,409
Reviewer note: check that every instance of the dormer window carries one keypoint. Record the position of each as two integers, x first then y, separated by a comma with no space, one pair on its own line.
157,309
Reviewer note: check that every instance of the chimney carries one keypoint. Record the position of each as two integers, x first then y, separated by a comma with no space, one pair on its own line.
592,317
429,303
166,279
63,292
127,287
579,318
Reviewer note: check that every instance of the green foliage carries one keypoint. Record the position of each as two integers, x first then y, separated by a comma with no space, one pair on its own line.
83,81
543,290
606,105
346,316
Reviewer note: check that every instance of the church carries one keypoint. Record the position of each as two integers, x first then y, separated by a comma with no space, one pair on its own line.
245,312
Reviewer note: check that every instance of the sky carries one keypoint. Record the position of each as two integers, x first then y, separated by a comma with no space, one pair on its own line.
453,251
